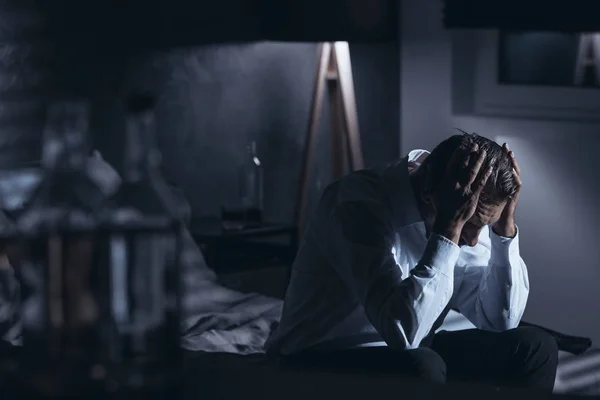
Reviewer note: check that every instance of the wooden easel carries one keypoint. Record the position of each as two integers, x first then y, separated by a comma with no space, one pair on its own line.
333,68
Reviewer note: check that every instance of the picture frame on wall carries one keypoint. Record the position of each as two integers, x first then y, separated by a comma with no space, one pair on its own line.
534,75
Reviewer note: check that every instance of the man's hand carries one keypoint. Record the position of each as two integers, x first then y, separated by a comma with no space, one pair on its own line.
456,199
505,226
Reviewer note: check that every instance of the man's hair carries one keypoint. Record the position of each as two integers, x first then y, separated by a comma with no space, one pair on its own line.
501,185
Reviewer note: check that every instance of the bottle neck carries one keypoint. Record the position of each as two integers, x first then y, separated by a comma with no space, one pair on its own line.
251,155
251,149
141,155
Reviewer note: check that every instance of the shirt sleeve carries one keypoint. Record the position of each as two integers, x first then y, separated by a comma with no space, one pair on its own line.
495,284
359,245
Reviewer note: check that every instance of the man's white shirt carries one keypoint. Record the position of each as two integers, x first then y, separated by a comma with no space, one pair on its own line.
366,273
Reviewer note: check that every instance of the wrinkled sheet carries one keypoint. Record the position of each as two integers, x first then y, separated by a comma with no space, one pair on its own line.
229,321
218,319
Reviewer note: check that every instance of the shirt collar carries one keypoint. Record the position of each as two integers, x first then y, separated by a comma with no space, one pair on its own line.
402,195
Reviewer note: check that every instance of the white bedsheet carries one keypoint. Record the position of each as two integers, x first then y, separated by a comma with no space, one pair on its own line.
224,320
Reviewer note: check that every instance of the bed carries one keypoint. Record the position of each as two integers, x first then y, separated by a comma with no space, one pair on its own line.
239,317
577,374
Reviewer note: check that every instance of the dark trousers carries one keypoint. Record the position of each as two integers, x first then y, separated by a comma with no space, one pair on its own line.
521,357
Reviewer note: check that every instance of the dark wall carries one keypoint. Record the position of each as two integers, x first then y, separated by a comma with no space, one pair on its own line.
214,100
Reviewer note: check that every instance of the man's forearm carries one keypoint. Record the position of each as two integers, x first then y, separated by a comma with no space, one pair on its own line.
507,283
406,316
507,229
449,229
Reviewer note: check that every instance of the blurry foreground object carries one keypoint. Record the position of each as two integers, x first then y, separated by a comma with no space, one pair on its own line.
99,271
144,230
58,263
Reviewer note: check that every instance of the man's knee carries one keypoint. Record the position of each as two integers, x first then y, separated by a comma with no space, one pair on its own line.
426,364
531,341
532,349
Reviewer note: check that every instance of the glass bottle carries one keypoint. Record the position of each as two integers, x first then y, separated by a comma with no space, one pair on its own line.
245,209
251,174
144,227
57,264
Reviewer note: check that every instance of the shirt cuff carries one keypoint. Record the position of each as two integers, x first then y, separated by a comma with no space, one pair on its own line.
441,254
504,247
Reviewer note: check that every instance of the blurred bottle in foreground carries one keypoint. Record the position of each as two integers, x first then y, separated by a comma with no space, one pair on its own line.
144,240
100,274
57,263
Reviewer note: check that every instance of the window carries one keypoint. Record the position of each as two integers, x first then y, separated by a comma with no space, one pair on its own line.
534,75
549,59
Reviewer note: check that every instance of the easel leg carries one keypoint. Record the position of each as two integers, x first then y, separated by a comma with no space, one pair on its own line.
346,82
308,159
335,68
339,151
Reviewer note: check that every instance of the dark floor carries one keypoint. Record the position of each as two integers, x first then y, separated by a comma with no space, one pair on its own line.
229,376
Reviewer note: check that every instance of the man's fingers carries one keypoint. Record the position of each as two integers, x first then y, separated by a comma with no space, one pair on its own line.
480,183
517,177
515,164
474,166
515,197
516,171
470,156
458,157
513,159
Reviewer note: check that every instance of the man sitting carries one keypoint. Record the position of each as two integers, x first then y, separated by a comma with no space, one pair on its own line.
391,250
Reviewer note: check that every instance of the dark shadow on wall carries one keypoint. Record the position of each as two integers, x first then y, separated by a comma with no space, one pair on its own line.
213,100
